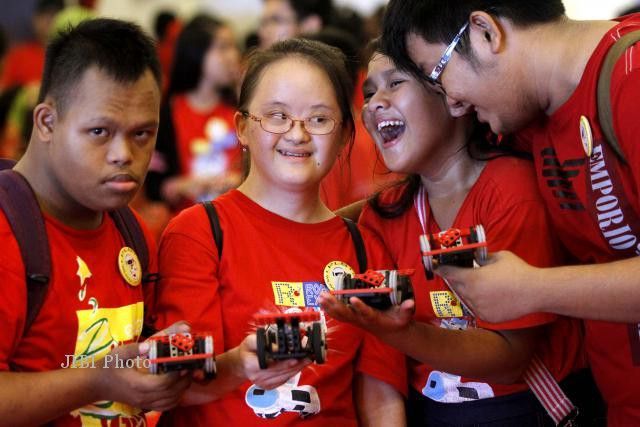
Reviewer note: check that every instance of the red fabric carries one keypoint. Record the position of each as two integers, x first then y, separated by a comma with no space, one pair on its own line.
505,201
191,129
23,64
356,175
222,296
583,194
65,322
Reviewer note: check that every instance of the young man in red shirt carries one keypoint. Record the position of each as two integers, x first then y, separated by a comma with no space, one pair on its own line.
526,65
93,134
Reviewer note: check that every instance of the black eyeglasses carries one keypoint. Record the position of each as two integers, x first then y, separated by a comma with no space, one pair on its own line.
281,123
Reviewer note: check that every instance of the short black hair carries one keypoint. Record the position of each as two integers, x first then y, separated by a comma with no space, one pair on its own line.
307,8
118,48
438,21
193,42
48,6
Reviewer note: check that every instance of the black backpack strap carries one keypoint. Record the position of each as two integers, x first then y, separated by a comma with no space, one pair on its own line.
20,206
214,221
605,113
358,243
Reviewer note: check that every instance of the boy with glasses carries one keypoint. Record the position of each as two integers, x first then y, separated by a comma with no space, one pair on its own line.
526,65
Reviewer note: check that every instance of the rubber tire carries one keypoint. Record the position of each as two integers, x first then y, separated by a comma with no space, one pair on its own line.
319,348
261,343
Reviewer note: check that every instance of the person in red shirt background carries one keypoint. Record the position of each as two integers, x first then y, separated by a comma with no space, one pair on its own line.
526,65
279,241
197,155
25,61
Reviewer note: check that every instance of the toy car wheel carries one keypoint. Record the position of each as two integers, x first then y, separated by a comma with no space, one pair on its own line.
338,284
153,355
210,362
261,340
319,346
481,253
427,260
396,293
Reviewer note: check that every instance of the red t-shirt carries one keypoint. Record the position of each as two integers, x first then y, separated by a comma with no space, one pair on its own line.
206,141
268,263
24,64
595,206
505,201
88,310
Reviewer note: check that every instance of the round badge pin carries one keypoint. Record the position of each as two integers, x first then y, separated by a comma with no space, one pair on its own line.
333,269
129,266
586,136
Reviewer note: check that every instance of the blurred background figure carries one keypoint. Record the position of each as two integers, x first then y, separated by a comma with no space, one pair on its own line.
166,28
25,60
284,19
197,154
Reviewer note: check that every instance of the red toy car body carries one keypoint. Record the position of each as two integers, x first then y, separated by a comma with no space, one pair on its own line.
454,246
379,289
175,352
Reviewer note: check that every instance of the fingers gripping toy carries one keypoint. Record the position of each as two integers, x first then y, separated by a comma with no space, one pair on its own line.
378,289
175,352
460,247
291,336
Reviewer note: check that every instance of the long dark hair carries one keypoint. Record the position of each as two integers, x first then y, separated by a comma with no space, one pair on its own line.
482,145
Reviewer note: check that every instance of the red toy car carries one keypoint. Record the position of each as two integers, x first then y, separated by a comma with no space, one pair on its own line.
454,246
291,336
176,352
378,289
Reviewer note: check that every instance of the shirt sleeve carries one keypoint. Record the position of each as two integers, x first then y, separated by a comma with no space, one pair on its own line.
188,286
383,363
523,229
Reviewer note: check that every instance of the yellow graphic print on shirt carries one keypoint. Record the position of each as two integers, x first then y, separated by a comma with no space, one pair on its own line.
100,330
445,304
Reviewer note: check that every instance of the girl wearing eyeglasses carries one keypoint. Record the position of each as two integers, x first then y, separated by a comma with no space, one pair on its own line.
463,371
280,247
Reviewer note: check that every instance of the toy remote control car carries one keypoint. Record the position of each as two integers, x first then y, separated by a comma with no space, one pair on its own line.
454,246
378,289
291,336
175,352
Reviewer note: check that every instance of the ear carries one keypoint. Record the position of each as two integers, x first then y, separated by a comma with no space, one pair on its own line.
240,123
486,31
311,24
44,121
457,108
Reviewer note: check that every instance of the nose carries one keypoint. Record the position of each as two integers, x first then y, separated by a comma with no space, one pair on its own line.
378,101
119,151
298,134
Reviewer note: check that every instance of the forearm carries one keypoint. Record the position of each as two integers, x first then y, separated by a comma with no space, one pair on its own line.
229,376
609,291
476,353
378,403
33,398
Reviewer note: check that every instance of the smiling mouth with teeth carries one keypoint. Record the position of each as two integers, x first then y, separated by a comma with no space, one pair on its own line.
390,129
291,154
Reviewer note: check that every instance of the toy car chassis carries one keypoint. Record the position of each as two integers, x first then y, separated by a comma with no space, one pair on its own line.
175,352
378,289
281,337
459,247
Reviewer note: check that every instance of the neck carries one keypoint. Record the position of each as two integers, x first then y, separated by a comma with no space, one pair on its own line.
203,98
562,51
300,205
52,198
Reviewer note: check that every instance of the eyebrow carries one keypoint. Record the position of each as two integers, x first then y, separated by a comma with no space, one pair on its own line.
282,104
102,120
385,74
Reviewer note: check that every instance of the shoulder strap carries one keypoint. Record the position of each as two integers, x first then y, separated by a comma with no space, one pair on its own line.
133,236
23,214
605,115
358,243
214,221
